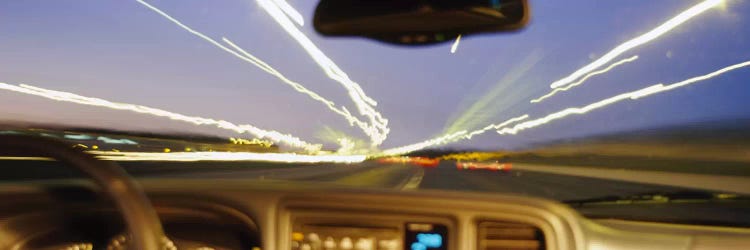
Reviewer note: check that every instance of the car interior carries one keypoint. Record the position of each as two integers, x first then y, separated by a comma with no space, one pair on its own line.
116,211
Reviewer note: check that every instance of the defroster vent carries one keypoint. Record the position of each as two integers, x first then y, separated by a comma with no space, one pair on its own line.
495,235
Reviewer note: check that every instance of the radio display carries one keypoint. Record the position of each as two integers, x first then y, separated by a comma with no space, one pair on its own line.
425,236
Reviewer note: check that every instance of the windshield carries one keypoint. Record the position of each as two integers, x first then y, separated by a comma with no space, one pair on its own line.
203,88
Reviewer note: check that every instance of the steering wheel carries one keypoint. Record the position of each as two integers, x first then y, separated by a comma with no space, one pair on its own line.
140,217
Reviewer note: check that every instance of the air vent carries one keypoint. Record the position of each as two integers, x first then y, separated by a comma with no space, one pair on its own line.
509,235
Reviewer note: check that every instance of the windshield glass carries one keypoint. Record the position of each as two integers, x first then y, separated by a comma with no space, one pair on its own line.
248,89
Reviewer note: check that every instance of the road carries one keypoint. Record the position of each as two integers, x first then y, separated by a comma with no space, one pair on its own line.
523,179
443,177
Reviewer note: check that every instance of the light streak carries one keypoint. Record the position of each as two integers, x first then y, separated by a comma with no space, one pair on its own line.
116,141
654,89
331,106
74,98
449,138
290,11
346,146
589,75
377,131
455,44
225,156
640,40
254,141
498,98
503,129
78,137
25,158
378,127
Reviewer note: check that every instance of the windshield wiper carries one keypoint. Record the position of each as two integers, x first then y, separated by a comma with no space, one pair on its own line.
660,198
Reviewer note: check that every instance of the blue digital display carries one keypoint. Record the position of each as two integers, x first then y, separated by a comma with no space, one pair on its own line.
426,237
418,246
430,240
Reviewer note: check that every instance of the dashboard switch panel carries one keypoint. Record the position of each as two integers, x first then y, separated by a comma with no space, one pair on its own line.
345,237
315,230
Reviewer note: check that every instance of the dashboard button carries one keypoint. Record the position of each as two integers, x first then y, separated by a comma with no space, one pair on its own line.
388,244
365,244
329,243
346,244
313,237
314,240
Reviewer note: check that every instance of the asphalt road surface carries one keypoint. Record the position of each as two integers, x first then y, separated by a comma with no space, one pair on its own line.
407,176
565,186
445,176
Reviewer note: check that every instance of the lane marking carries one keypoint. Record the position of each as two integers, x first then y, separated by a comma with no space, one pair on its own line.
414,180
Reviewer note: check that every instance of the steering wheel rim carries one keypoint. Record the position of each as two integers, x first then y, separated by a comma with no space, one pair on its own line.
139,215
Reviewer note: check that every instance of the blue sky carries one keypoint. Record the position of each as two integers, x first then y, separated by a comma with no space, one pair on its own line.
121,51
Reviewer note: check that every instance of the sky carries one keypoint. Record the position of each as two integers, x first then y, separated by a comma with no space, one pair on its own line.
122,51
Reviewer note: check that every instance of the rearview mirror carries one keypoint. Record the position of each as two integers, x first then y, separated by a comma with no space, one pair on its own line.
418,22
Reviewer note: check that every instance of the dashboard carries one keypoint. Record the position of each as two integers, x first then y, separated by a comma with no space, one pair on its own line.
331,230
235,214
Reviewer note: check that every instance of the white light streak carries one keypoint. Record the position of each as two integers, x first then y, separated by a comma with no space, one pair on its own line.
74,98
226,156
455,44
654,89
378,127
116,141
331,106
377,131
449,138
589,75
640,40
290,11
